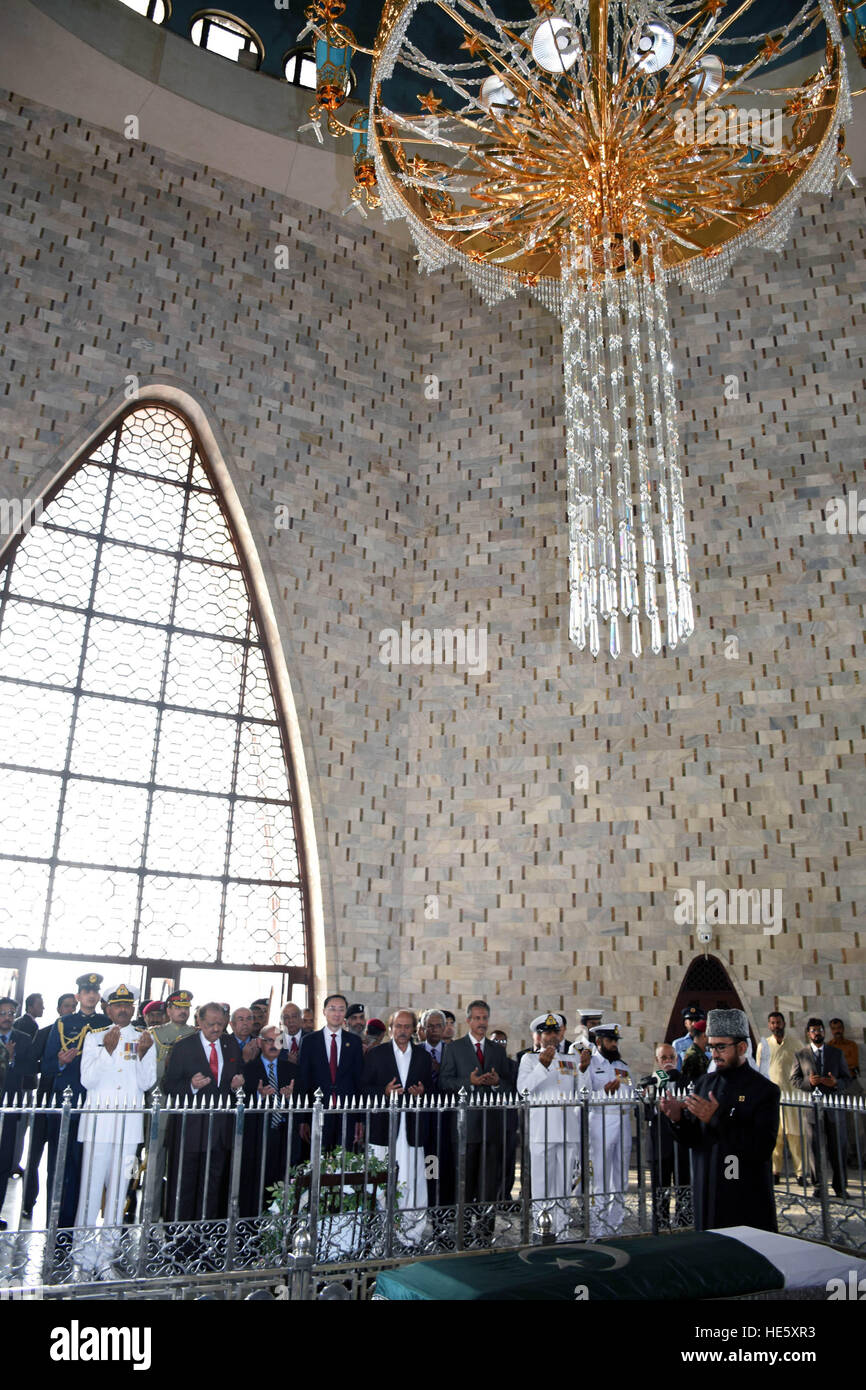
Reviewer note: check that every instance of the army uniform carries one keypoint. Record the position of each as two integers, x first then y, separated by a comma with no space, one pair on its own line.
165,1035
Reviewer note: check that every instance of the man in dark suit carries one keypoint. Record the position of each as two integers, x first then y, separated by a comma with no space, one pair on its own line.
34,1008
332,1062
439,1143
271,1077
41,1129
203,1068
478,1066
293,1034
400,1068
822,1068
19,1053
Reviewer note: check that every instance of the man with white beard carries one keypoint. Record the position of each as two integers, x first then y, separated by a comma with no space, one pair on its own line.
606,1074
118,1065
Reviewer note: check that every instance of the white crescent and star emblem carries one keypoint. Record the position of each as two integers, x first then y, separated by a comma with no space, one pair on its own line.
619,1257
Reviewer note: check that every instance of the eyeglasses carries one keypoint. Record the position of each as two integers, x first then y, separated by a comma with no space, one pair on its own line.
720,1047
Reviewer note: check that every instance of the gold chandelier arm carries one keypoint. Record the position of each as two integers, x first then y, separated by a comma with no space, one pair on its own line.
713,37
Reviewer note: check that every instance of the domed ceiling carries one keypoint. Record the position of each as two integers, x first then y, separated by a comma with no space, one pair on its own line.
278,29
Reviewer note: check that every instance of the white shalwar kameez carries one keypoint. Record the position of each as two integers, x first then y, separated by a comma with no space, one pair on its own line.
411,1174
554,1133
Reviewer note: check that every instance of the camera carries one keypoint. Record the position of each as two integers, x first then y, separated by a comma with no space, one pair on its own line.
704,935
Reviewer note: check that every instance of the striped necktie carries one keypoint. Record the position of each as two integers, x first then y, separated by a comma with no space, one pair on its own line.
277,1117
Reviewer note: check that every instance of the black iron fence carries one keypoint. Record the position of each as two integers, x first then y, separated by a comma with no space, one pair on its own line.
281,1195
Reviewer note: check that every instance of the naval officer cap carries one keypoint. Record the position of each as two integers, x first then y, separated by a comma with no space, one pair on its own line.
590,1013
89,981
606,1030
546,1023
121,995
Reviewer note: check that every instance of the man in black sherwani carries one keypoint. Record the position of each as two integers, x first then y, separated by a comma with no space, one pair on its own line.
730,1124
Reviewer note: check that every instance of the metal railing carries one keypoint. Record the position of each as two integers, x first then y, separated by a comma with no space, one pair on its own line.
232,1199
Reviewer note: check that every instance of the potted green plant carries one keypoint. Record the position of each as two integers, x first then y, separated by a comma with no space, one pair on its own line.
348,1207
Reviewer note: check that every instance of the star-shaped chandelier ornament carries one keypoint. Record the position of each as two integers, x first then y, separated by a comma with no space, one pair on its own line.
592,152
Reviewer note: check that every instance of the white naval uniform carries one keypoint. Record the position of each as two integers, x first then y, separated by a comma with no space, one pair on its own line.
411,1173
119,1078
609,1146
554,1132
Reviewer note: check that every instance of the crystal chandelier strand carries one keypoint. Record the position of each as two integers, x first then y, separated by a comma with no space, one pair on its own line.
612,472
582,565
621,458
672,449
600,458
667,546
577,414
634,317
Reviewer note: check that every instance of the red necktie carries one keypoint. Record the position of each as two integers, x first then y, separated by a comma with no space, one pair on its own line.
333,1059
480,1055
214,1064
294,1051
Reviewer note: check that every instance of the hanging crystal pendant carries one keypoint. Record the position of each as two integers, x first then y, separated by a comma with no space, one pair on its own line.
622,446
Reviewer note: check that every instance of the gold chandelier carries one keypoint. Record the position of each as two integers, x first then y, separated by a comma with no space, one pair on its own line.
591,152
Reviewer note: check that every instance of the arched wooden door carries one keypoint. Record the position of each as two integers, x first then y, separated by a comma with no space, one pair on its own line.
707,985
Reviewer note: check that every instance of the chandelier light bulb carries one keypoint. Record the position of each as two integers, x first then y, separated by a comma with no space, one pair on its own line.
494,92
708,75
652,46
555,44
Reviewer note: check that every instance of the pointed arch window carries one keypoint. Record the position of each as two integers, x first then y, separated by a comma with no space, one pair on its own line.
149,807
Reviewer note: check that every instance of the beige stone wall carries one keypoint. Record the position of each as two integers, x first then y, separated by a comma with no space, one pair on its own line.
518,832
